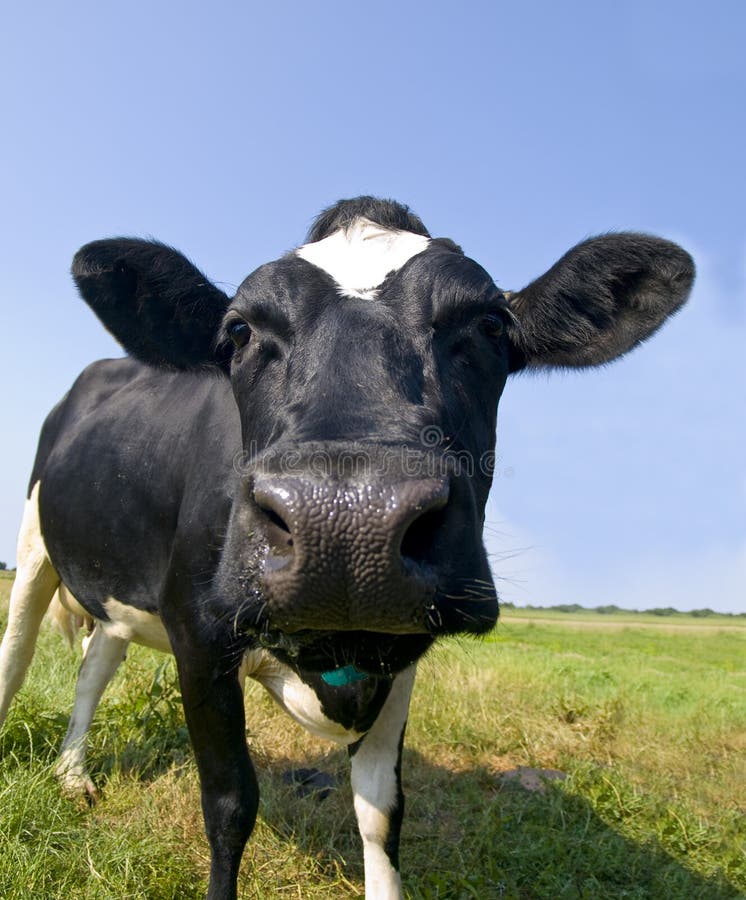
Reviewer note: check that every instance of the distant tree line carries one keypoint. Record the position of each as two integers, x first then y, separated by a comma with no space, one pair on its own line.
610,609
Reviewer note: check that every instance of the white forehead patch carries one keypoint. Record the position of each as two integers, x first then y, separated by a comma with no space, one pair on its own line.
360,257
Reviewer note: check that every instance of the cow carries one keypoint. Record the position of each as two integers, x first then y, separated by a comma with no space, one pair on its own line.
292,482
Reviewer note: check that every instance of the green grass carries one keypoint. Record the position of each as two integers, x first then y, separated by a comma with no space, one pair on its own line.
647,722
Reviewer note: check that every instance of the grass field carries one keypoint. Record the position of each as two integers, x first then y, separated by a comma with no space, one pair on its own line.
645,718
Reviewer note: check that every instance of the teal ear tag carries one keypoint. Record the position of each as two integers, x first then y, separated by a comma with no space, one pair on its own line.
341,677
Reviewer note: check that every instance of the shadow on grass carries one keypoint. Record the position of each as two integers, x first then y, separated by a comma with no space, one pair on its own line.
472,834
466,834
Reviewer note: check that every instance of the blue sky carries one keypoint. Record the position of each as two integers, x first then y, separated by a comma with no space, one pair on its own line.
516,129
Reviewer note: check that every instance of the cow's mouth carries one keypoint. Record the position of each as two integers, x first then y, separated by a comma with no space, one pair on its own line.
368,652
373,651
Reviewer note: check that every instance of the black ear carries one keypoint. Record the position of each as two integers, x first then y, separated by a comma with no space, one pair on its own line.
600,300
159,307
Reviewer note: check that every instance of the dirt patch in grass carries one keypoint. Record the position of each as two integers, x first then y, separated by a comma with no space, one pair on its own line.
531,779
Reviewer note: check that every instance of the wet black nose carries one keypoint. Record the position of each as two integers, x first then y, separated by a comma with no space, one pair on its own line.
348,555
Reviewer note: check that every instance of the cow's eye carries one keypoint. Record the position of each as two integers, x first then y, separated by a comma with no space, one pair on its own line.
493,325
239,332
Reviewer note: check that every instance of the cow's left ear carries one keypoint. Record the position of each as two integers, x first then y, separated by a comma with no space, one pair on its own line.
159,306
600,300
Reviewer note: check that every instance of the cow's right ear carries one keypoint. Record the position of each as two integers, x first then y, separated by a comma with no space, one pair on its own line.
160,307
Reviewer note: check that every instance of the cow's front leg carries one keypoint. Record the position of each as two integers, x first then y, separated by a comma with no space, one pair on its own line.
213,705
378,796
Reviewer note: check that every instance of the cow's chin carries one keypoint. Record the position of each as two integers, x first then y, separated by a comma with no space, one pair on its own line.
369,652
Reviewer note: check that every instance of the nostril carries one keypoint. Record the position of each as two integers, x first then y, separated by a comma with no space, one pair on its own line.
418,541
276,519
270,506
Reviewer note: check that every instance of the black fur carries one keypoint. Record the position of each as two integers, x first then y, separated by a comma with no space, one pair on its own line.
396,815
384,212
125,280
600,300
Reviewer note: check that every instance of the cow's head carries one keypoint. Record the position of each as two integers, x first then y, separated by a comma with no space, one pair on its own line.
367,367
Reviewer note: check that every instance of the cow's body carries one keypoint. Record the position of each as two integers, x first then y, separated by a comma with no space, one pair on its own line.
298,523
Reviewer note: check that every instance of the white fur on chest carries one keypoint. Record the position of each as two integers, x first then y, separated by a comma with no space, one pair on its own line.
294,696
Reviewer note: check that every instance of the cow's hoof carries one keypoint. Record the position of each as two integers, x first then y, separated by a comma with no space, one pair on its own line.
310,781
78,786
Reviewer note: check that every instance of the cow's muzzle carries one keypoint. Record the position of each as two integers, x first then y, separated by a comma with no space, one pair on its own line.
349,555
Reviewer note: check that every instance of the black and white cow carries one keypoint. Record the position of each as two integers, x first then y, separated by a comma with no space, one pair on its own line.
291,481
